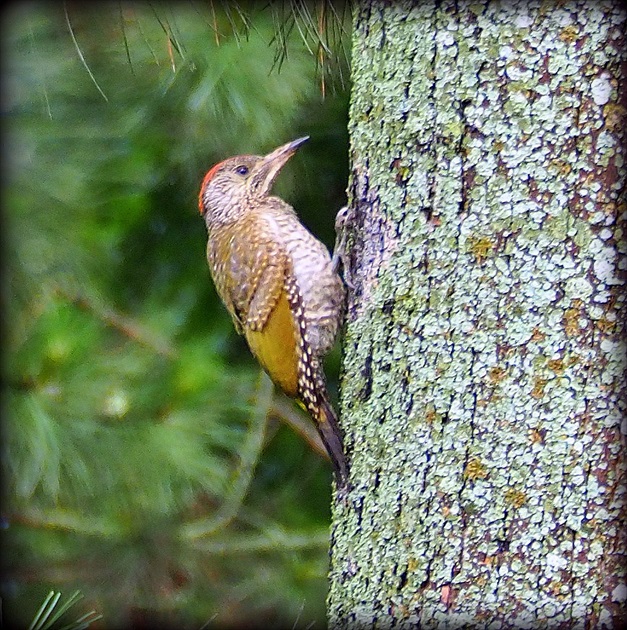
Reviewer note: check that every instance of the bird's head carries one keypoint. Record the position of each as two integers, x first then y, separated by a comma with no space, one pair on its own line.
230,184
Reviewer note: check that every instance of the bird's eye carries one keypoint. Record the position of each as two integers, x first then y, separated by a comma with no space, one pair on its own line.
242,170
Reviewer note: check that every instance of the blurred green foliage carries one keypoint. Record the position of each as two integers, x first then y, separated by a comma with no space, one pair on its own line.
144,460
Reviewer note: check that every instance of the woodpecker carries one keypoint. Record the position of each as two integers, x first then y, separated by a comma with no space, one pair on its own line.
277,281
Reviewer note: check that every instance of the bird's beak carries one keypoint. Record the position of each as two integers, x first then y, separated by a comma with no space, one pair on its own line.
271,164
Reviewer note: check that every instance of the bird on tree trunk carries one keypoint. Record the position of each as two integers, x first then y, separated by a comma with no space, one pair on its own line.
277,281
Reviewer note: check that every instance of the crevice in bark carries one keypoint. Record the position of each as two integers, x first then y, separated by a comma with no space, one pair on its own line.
366,374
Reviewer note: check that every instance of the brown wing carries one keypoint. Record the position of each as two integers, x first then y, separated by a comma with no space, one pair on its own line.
248,276
255,297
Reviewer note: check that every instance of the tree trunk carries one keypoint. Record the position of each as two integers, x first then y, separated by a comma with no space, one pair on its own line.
483,394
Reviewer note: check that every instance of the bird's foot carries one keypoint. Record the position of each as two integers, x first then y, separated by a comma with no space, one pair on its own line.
340,253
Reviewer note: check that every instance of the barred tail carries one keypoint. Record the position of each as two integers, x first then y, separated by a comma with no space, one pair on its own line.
331,434
311,388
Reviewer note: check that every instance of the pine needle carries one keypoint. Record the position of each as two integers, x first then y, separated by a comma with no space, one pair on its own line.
242,15
215,24
126,47
80,53
173,42
320,29
44,611
150,48
43,82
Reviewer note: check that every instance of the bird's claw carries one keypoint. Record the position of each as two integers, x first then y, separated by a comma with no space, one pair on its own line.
340,253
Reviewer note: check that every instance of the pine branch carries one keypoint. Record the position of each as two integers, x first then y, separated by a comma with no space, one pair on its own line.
268,541
249,456
287,412
126,325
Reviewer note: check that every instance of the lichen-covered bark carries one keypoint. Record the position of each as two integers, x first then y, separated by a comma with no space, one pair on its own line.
483,395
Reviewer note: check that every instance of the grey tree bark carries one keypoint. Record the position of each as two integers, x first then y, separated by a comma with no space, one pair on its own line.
483,394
